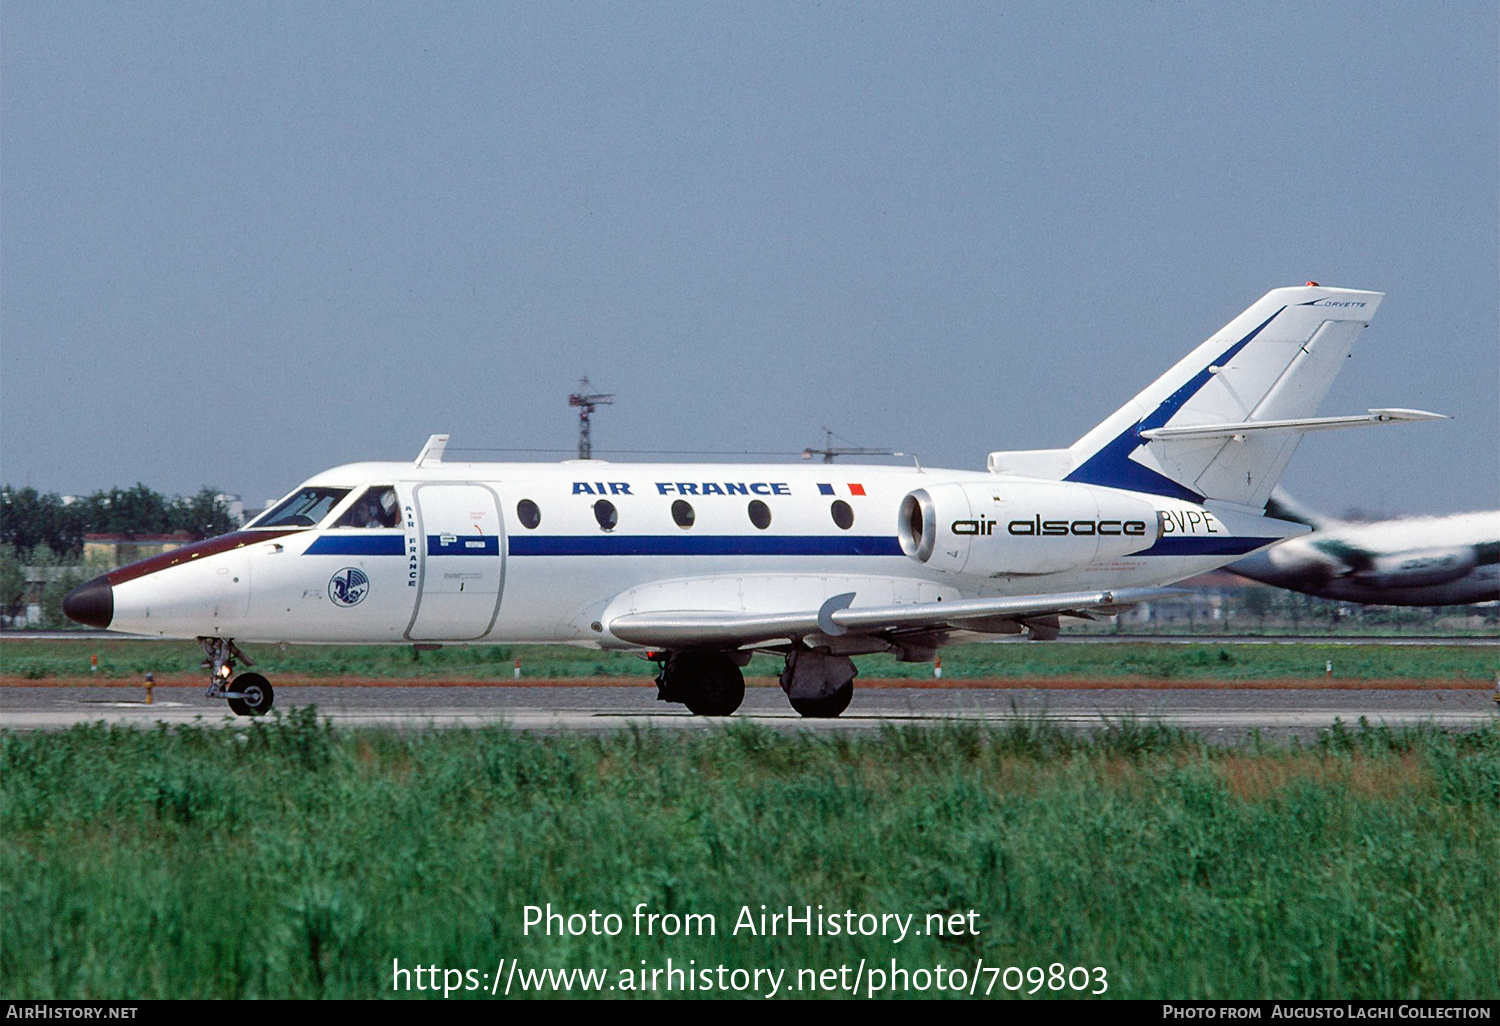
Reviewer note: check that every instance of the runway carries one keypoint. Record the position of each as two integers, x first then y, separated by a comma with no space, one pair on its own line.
1220,715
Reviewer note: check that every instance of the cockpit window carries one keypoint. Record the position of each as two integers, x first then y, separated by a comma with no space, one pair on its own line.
376,508
304,509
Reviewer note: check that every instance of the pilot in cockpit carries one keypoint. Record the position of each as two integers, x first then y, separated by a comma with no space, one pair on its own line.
376,509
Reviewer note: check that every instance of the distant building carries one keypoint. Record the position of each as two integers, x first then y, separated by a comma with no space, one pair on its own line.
37,578
114,550
1199,607
1213,595
235,506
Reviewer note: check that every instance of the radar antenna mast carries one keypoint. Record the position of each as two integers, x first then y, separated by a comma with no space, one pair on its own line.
586,401
829,450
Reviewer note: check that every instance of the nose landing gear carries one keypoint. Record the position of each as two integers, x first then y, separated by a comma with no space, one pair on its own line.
252,695
249,694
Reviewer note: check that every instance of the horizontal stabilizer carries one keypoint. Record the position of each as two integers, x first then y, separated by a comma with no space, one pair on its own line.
702,628
1393,416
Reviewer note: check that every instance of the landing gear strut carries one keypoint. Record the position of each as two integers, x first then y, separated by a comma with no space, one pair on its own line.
708,683
249,694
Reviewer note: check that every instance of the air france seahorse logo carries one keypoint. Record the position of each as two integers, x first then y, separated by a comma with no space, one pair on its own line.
348,587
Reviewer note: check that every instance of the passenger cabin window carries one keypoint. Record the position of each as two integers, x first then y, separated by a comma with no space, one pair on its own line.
843,515
529,515
377,508
606,514
305,509
760,514
682,514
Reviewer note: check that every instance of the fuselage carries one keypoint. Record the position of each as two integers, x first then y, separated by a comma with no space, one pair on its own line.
1412,561
528,552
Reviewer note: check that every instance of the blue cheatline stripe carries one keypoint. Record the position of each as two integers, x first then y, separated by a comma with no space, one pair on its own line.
357,545
703,545
1206,546
463,545
1112,466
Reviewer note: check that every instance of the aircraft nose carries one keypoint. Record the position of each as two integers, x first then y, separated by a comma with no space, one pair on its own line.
91,604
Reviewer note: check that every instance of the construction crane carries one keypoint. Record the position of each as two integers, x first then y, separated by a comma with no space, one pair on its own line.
586,401
829,450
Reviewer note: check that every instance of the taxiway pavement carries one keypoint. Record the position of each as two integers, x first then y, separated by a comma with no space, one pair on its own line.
1221,715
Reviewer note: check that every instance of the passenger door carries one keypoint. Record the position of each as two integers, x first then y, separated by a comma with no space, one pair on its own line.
461,564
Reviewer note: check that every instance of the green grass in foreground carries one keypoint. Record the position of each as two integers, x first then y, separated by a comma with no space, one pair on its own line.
290,859
131,660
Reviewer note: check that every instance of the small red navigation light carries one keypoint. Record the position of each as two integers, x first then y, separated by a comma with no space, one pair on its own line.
1312,284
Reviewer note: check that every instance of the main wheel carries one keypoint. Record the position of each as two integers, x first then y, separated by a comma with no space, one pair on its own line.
710,683
258,693
827,707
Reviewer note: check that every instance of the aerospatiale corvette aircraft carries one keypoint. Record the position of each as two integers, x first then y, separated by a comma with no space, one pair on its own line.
699,565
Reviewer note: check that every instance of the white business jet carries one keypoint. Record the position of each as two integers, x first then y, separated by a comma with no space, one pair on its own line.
699,565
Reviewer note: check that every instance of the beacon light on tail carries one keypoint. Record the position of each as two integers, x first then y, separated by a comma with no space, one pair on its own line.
698,566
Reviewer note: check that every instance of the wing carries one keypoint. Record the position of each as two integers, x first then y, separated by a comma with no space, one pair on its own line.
688,628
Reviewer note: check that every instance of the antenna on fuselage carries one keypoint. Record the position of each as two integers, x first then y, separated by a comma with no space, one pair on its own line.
432,452
586,401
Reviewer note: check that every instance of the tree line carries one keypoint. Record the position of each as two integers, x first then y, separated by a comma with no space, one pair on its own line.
30,519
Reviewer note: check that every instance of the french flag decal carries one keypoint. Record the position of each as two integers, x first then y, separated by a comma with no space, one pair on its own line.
828,489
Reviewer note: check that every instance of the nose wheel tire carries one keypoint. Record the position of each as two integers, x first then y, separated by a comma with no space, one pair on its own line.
257,693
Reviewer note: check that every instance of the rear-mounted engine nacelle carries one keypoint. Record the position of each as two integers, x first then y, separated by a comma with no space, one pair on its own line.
1418,569
1038,527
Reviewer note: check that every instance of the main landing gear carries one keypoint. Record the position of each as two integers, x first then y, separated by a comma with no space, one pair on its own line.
708,683
249,694
818,685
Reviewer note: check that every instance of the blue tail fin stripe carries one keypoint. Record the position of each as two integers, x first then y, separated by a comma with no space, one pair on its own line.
1112,466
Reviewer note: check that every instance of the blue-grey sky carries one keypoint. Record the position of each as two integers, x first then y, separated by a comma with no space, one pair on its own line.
240,243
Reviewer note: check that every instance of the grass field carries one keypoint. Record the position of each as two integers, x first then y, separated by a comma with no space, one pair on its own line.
131,660
289,859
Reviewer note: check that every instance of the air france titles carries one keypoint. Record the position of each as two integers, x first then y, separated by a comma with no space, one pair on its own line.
726,488
686,488
412,564
601,488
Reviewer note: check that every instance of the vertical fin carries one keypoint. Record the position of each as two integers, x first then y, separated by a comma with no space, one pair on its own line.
1276,360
